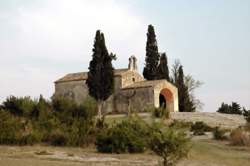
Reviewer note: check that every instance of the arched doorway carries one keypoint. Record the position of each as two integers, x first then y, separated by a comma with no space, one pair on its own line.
162,100
166,99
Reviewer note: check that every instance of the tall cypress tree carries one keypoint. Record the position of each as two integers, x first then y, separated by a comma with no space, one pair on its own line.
185,104
100,76
152,55
162,70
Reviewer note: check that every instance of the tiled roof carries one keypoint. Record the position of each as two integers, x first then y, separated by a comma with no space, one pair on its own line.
143,84
84,75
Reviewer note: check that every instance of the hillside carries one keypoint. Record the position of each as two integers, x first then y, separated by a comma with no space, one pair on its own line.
211,118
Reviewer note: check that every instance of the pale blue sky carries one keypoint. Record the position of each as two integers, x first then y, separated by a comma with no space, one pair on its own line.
43,40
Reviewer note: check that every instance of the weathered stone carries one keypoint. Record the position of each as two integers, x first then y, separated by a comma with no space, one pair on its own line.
131,90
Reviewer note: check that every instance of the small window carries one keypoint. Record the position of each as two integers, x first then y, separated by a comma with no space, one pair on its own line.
133,79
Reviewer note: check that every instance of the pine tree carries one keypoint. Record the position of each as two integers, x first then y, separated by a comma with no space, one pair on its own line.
152,55
235,108
185,104
101,75
162,70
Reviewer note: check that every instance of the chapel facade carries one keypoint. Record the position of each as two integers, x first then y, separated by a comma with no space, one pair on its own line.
131,90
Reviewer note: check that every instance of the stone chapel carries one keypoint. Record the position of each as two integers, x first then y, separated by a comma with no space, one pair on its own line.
131,90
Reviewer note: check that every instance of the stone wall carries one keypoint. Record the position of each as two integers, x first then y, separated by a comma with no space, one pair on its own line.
140,99
76,90
131,77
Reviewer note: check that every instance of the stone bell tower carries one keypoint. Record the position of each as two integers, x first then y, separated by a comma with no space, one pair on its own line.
132,63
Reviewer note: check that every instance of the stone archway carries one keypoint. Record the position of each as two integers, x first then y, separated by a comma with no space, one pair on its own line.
166,99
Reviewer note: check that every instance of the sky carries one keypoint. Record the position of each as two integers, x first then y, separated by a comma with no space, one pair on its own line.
41,41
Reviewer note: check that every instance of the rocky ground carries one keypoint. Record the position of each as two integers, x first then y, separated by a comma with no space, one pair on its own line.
213,119
204,152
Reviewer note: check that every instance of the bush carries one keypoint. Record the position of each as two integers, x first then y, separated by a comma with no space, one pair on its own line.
123,137
62,122
246,114
9,128
240,137
160,112
57,138
22,106
177,124
29,139
219,134
81,133
199,128
170,145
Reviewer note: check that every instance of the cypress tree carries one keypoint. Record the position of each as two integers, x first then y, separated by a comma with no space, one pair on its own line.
185,104
162,70
152,55
101,75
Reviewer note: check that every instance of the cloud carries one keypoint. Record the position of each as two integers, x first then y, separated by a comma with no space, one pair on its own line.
42,40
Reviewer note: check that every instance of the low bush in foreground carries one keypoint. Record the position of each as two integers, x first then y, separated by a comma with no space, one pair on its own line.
170,145
199,128
219,134
128,136
178,124
160,112
134,135
24,121
240,137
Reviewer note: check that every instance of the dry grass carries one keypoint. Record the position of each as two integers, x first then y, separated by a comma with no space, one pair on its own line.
204,152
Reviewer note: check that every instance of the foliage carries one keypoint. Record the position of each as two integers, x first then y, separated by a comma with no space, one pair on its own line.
60,122
199,128
161,112
20,106
57,138
178,124
186,86
162,69
123,137
100,79
240,137
152,55
185,104
219,134
246,114
170,145
191,85
234,108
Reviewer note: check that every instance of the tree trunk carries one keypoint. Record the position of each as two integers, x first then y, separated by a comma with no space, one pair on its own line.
99,109
165,162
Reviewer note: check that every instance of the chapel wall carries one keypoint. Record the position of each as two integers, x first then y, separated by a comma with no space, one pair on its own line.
131,77
75,90
142,99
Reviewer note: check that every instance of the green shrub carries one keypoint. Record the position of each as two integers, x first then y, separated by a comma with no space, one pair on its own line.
219,134
10,127
124,137
57,138
160,112
199,128
170,145
81,133
246,114
22,106
177,124
29,139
